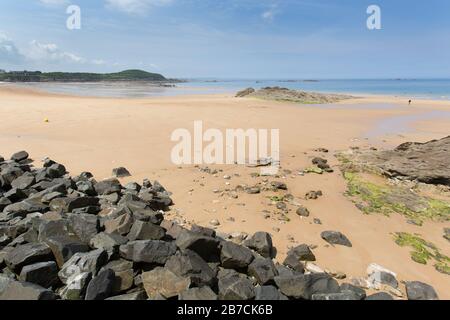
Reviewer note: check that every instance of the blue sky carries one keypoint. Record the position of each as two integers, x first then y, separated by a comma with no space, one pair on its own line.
230,38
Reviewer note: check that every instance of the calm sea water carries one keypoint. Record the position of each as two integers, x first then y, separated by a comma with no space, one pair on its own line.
430,88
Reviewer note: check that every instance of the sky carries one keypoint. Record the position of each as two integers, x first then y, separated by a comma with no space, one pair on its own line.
265,39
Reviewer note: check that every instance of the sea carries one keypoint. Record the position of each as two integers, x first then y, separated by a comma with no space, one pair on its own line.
437,89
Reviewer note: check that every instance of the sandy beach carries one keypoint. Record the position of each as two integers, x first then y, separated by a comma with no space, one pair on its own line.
99,134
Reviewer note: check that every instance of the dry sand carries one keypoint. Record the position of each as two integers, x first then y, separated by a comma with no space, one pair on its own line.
98,134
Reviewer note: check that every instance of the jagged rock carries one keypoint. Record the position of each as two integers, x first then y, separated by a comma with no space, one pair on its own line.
263,270
298,254
276,185
359,292
18,290
20,156
15,195
261,242
121,172
67,204
120,225
380,296
162,281
148,251
56,170
133,296
83,262
52,228
142,230
28,254
204,231
24,181
234,256
235,286
245,92
76,287
44,274
335,237
64,247
346,295
108,242
86,187
198,294
85,226
108,186
379,275
124,275
190,265
270,293
416,290
304,286
101,286
206,247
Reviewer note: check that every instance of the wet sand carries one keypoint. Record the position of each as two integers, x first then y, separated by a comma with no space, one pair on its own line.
99,134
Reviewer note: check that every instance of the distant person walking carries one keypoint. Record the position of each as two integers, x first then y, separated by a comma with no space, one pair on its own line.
409,102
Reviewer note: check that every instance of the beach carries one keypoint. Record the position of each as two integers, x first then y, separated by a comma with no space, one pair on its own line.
99,134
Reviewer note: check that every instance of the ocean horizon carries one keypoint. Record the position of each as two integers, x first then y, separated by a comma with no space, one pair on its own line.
436,89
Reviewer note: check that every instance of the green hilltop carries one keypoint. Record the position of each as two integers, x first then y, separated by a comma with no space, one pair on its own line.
38,76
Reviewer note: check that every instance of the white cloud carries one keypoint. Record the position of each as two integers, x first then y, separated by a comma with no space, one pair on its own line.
51,52
270,13
136,6
54,2
9,53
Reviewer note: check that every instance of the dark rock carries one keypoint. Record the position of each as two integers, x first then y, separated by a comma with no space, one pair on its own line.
304,286
148,251
20,156
360,292
76,287
206,247
52,228
263,270
124,275
15,195
133,296
67,204
18,290
380,296
85,226
56,170
270,293
121,172
120,225
276,185
198,294
245,92
101,286
234,256
298,254
44,274
235,286
416,290
204,231
190,265
446,233
146,231
162,281
86,187
83,262
64,247
27,254
335,237
108,186
109,242
4,202
261,242
313,195
24,181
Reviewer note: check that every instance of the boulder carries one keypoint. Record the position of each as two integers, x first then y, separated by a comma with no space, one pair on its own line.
121,172
124,275
76,287
162,281
235,286
142,230
263,270
44,274
64,247
261,242
303,211
416,290
304,286
188,264
23,182
148,251
335,237
101,286
298,254
206,247
108,242
360,292
68,204
198,294
83,262
380,296
28,254
269,293
84,226
108,186
20,156
18,290
379,275
120,225
234,256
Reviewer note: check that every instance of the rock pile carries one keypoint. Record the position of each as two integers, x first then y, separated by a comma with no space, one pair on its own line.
76,238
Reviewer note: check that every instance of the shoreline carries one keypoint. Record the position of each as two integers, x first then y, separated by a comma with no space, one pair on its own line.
105,133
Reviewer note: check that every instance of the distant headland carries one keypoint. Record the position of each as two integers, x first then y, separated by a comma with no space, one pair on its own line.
38,76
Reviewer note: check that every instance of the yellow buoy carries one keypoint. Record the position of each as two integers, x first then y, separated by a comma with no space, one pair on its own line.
46,120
